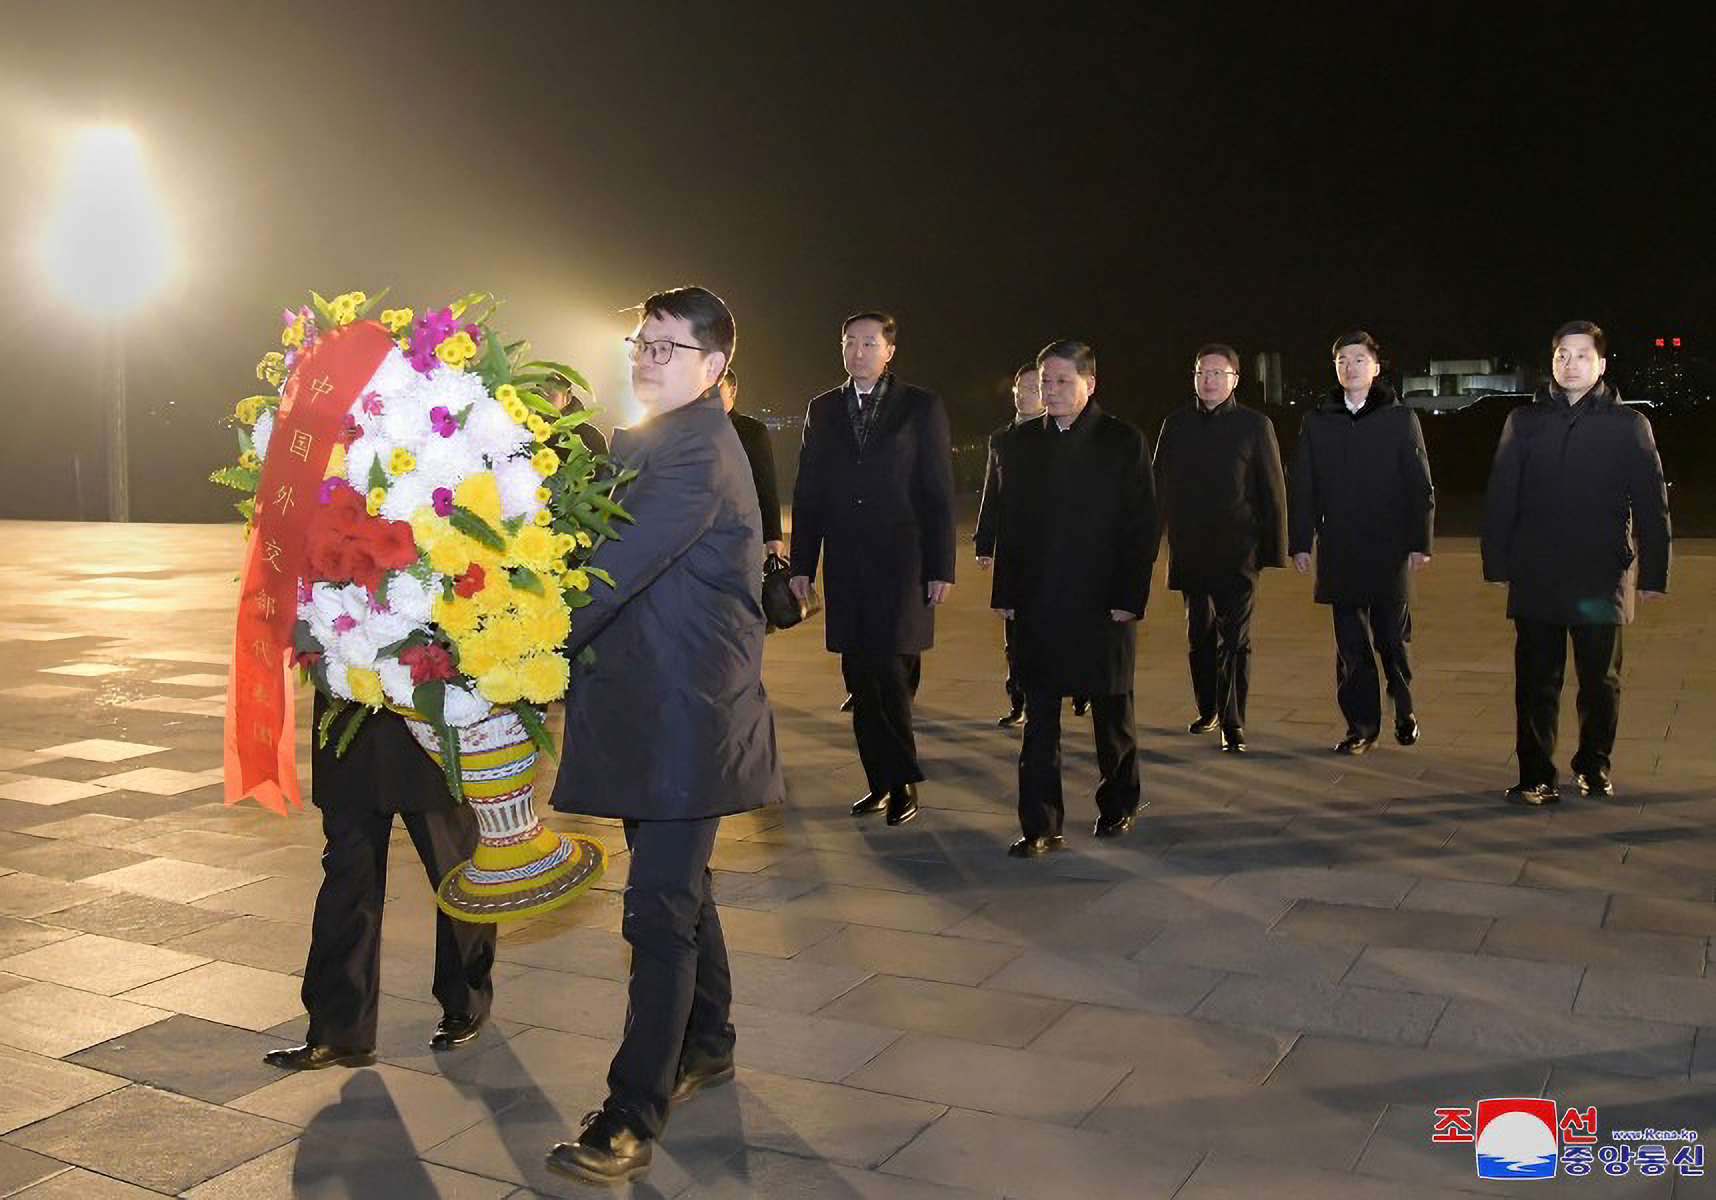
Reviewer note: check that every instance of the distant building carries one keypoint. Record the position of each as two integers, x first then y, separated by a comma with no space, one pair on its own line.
1452,384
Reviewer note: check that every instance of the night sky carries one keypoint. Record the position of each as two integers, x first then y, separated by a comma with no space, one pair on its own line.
1458,179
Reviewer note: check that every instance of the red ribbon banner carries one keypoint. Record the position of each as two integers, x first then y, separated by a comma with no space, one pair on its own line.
260,746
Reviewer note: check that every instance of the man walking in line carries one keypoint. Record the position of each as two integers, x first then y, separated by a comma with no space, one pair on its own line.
668,727
1075,544
1027,406
1362,494
874,503
1575,487
1224,505
754,437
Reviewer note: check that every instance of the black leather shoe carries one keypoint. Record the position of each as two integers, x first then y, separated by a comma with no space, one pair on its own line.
1233,740
1594,783
316,1058
1012,720
608,1151
1081,705
872,802
902,804
1354,744
1536,795
1032,847
455,1030
1113,829
846,704
1204,725
699,1069
1406,730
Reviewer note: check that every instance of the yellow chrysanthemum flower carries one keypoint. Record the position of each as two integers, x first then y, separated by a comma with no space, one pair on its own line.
400,461
248,409
476,653
506,393
459,616
500,684
542,517
457,350
272,368
578,580
293,334
532,546
545,462
543,495
583,539
479,494
397,319
365,685
249,461
343,309
403,343
372,501
541,677
538,428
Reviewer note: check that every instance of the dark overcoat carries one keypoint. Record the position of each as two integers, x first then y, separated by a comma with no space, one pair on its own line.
1361,491
670,722
1221,494
1572,489
383,770
984,538
1075,537
879,517
754,437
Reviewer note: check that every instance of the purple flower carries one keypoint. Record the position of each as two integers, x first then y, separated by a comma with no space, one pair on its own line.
442,499
304,592
345,623
326,495
371,402
443,421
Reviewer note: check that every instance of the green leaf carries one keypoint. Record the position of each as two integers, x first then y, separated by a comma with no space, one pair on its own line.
335,707
417,637
430,699
537,404
526,580
598,573
363,309
474,527
380,589
561,369
532,722
377,474
324,314
513,524
244,479
464,414
352,726
492,366
247,509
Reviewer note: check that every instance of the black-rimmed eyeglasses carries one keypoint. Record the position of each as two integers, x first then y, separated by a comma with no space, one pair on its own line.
660,352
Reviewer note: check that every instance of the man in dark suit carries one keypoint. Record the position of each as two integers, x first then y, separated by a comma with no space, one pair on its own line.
1027,406
668,728
874,501
383,773
1224,505
1075,543
1576,482
1362,493
754,437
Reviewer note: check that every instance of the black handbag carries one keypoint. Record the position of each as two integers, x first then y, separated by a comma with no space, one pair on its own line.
781,608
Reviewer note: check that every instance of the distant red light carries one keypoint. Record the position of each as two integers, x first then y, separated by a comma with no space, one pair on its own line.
1677,343
1659,341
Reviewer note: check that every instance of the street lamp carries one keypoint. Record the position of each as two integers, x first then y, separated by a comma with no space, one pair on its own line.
105,251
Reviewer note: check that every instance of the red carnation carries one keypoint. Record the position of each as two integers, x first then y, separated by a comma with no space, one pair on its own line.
470,583
429,662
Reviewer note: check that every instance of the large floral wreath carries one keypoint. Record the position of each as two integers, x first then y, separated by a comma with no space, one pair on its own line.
449,540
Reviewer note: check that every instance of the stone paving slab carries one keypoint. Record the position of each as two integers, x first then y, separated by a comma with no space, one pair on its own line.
1262,992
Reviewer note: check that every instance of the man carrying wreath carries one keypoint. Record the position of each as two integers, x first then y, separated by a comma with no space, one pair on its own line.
668,727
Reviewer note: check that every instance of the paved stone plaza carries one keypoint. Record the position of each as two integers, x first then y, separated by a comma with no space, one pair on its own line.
1263,992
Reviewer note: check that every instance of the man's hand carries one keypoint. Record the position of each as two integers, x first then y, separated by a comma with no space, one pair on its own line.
1301,562
1006,613
1418,561
984,562
1121,616
799,585
775,548
938,590
1652,595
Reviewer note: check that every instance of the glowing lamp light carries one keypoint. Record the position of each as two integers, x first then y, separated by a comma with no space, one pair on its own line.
106,248
1676,343
1659,342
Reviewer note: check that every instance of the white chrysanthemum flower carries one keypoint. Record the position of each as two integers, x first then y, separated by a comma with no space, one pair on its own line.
409,598
395,375
463,706
264,430
339,683
494,433
516,481
404,419
407,494
362,454
385,628
396,682
355,647
448,462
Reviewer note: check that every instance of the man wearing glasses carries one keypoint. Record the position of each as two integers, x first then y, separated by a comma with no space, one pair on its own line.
1224,503
874,502
668,727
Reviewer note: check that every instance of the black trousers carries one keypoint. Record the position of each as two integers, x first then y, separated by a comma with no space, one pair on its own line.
342,977
1218,634
680,992
882,688
1387,628
1015,693
1041,810
1539,666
